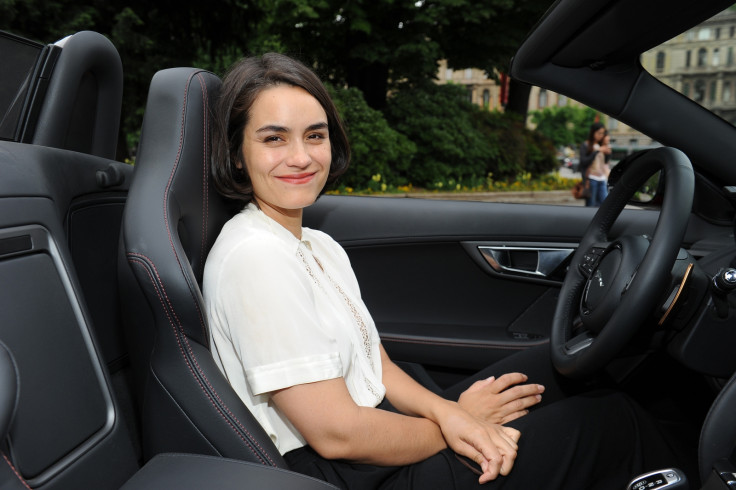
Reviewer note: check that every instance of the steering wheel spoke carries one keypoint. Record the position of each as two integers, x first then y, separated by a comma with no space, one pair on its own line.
579,343
591,258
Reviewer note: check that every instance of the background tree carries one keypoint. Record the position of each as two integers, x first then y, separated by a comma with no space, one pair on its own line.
564,126
149,36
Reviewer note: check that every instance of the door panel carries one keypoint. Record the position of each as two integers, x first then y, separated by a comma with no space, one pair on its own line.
434,296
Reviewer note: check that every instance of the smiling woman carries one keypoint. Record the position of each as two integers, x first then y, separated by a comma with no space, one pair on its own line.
286,152
290,331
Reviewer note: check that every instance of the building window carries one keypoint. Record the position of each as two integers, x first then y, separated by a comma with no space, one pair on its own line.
718,33
726,91
712,92
633,142
687,58
542,98
702,55
660,61
699,91
690,36
486,98
704,34
448,74
562,100
729,56
612,125
686,89
716,57
732,30
468,73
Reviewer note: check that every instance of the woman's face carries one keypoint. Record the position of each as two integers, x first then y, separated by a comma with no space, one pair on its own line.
286,149
598,135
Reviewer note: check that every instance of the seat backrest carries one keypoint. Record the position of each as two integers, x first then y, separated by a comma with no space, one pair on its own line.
171,220
718,435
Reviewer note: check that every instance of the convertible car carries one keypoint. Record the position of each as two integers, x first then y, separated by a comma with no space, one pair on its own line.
106,378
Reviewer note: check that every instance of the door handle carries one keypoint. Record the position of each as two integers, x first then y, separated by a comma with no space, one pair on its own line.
528,261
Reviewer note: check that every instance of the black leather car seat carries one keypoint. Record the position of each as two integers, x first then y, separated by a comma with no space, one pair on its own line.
171,220
9,476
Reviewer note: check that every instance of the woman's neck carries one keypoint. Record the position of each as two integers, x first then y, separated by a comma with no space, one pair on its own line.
291,219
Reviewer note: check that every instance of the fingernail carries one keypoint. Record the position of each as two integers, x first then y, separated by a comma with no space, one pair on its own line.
492,378
541,388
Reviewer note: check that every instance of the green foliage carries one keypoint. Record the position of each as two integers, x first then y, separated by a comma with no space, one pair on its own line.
380,155
438,119
564,126
459,144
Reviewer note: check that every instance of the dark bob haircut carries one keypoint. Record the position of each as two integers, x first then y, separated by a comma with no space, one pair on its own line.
242,84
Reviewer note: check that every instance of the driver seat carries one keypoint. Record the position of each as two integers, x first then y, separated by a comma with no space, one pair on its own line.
171,219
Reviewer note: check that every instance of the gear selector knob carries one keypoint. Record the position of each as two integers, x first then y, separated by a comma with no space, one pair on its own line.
669,479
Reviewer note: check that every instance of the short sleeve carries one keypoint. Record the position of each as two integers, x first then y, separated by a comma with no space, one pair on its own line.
267,307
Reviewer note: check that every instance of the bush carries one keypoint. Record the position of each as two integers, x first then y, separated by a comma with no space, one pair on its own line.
380,155
439,120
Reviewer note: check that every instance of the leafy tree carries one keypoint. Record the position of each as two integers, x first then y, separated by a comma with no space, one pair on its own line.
564,126
377,45
369,44
439,120
149,36
380,155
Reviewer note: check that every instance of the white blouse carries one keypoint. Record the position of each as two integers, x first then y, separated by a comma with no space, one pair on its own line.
283,312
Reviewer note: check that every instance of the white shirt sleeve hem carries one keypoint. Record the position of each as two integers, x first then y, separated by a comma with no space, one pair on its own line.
279,375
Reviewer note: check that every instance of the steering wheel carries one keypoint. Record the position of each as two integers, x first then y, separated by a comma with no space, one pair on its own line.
614,285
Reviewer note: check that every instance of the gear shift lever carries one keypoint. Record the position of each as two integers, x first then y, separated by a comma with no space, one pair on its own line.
670,479
723,283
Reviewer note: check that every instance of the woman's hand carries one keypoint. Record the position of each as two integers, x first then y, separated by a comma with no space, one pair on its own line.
499,401
493,447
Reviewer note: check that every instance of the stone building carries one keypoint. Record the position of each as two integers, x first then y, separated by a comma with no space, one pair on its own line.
482,90
700,64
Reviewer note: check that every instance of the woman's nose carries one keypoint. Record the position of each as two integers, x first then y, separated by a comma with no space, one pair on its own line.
298,155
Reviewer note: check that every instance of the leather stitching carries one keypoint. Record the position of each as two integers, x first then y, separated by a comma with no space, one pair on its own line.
25,484
146,263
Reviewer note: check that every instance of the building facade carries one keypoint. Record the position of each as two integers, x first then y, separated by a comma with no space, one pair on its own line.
700,64
482,90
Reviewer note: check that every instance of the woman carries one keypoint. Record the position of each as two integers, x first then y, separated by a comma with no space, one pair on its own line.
294,338
594,153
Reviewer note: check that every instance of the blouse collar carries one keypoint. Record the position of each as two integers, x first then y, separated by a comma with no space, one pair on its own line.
277,229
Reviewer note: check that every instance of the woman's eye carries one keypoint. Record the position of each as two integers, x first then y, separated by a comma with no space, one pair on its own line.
270,139
317,136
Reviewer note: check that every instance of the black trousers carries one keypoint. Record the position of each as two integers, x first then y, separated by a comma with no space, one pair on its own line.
575,439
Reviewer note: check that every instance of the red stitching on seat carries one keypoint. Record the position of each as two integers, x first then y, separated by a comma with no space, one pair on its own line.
205,174
25,484
136,258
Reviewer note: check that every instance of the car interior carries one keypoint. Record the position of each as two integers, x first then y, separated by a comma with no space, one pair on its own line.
105,365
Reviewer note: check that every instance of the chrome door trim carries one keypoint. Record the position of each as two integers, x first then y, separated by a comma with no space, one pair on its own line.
547,261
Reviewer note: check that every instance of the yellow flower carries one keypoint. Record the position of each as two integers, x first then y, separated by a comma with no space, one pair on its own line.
376,178
383,187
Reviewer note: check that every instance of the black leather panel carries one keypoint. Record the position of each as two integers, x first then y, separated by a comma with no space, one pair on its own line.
718,436
190,472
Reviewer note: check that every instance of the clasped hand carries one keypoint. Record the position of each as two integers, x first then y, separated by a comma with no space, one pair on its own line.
493,447
477,432
501,400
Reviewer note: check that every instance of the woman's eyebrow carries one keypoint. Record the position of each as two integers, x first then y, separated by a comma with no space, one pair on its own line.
274,128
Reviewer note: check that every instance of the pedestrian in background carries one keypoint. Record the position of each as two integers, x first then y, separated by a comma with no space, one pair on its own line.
593,166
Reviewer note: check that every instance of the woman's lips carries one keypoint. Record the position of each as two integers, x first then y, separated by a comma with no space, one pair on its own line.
302,178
